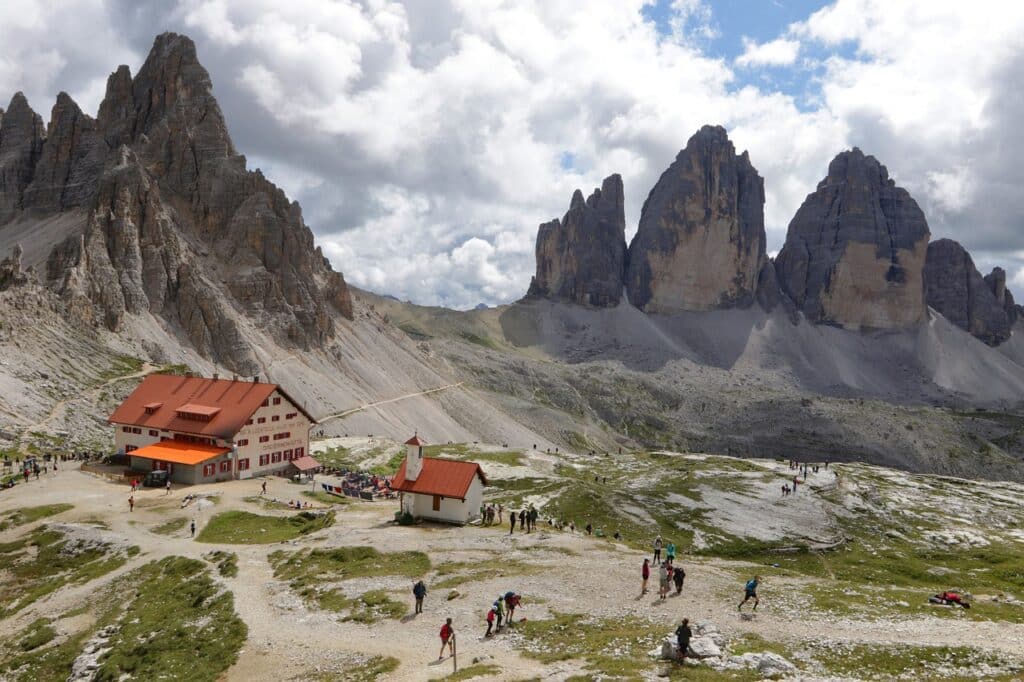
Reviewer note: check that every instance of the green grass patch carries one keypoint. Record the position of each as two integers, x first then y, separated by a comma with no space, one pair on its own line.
171,527
391,466
29,514
368,670
122,365
917,662
468,673
478,340
245,528
37,634
45,561
613,647
226,562
311,566
336,457
179,626
326,498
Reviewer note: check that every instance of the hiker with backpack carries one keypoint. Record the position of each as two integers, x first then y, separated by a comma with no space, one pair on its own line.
678,576
645,573
511,603
419,590
663,575
657,551
670,552
447,638
499,610
750,592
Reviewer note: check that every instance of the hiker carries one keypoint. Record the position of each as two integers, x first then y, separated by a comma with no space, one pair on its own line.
657,550
135,484
499,605
664,571
490,619
796,482
645,573
683,634
522,521
511,603
447,638
590,528
533,517
750,592
678,576
512,522
501,508
192,529
670,552
263,488
131,503
168,491
419,590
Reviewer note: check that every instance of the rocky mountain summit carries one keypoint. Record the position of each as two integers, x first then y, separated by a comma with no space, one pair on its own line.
582,258
957,290
700,244
161,215
855,250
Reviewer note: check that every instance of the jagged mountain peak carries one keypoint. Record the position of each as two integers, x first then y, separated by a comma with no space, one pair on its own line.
173,224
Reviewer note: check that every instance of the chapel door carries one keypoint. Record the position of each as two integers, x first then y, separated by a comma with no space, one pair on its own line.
437,503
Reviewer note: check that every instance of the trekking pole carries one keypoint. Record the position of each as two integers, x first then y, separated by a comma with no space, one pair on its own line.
455,652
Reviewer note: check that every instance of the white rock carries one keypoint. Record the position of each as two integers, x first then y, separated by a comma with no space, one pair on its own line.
704,647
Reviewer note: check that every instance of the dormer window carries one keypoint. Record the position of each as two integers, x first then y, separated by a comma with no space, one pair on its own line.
151,408
199,413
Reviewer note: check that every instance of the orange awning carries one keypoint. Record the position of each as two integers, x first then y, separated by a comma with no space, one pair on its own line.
179,452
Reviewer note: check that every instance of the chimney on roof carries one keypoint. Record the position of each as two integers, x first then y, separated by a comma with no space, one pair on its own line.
255,378
234,377
216,375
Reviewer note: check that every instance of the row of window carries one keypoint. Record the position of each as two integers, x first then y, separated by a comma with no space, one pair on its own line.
277,401
286,456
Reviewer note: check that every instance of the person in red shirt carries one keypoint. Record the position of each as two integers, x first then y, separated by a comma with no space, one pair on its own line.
447,638
645,573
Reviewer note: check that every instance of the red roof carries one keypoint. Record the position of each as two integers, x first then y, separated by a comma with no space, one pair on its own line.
305,463
444,477
228,404
179,452
415,440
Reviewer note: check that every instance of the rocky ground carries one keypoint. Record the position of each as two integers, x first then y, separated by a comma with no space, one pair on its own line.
848,563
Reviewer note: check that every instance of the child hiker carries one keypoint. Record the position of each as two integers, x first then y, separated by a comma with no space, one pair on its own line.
447,638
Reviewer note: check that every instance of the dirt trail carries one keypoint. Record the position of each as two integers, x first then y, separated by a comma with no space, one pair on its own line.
367,406
568,573
146,370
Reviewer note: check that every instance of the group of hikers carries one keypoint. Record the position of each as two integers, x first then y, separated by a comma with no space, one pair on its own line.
527,519
668,572
501,611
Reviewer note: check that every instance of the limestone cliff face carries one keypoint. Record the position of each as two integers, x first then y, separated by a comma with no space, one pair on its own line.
582,258
855,251
957,290
71,160
700,244
177,226
21,145
996,281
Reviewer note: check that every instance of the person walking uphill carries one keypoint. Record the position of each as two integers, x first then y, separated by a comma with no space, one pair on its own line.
490,619
750,592
657,551
447,638
678,576
419,590
511,522
645,573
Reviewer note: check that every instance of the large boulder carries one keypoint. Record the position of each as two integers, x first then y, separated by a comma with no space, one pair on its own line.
855,251
582,258
700,244
957,291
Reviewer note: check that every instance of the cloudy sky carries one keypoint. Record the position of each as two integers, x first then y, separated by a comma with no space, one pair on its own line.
427,139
